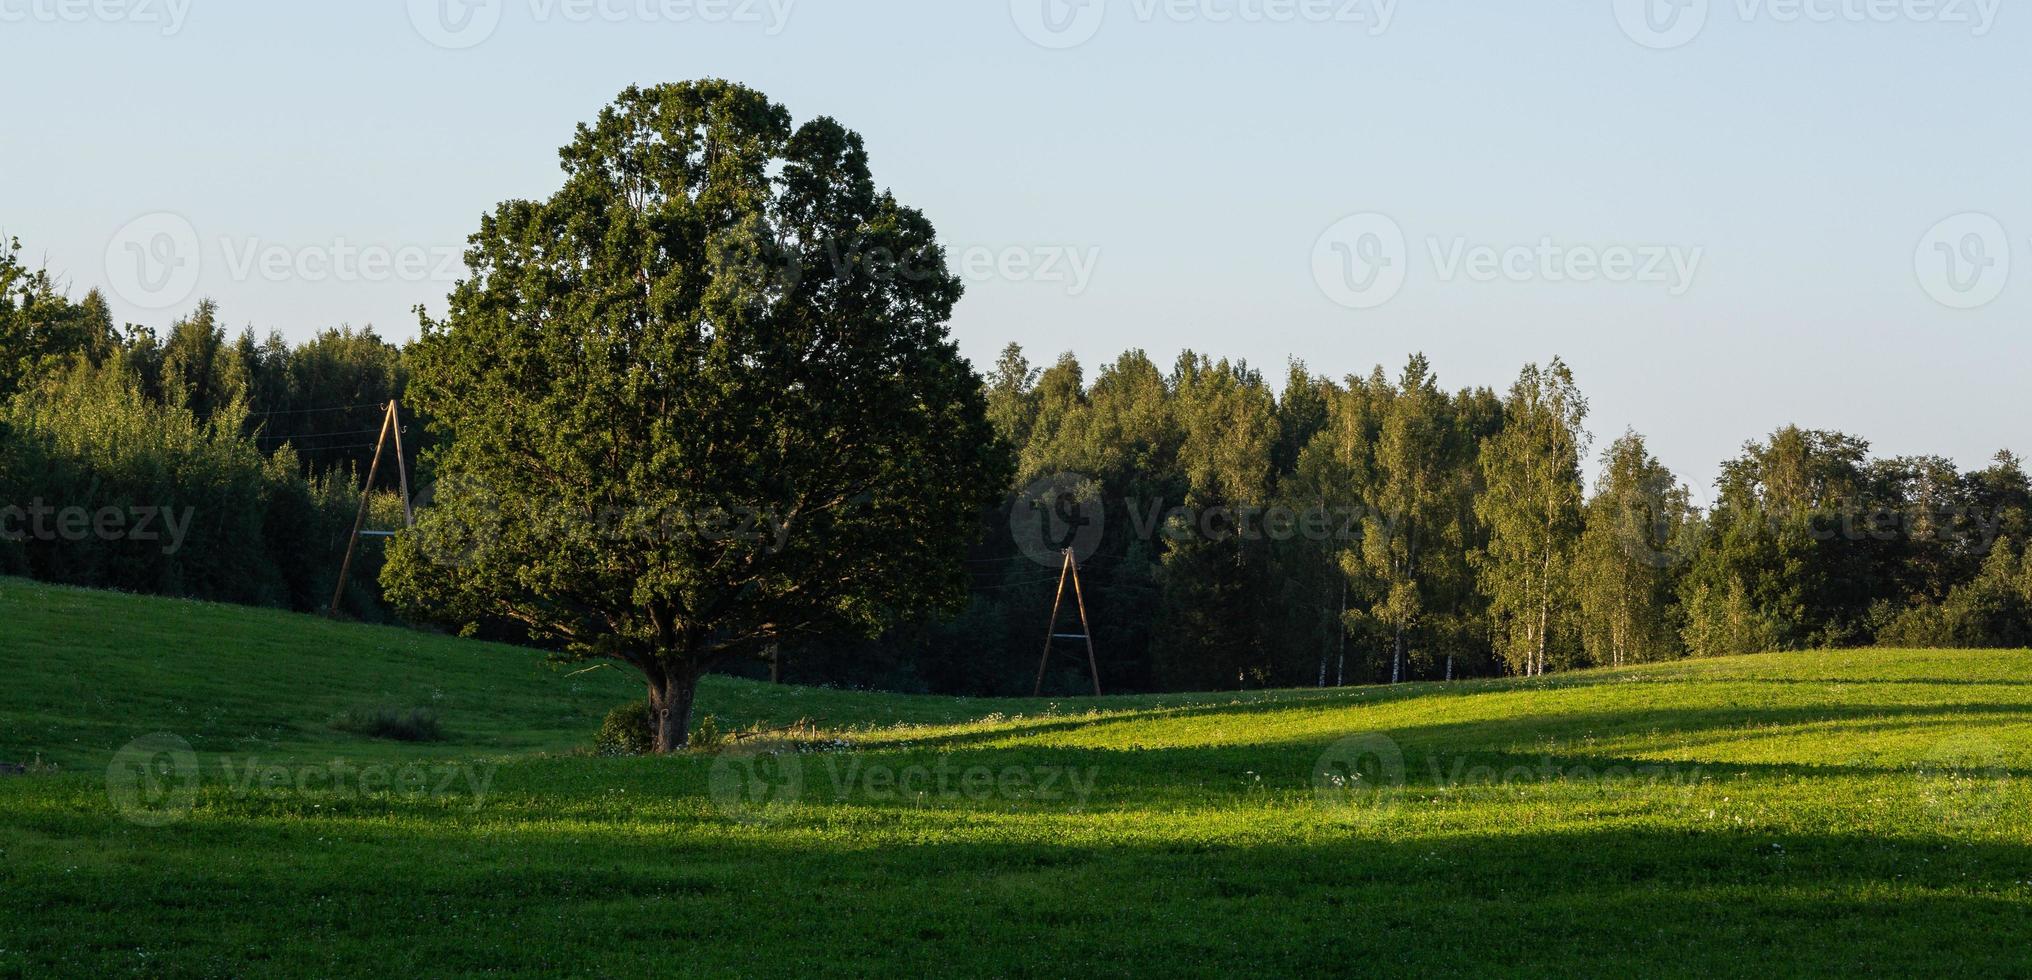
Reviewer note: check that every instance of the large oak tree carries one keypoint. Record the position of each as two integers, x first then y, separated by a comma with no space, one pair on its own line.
699,401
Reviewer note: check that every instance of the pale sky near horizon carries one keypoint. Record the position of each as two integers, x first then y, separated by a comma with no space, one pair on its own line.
1727,215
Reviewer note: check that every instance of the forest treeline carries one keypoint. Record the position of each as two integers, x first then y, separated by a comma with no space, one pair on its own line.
1231,533
1383,527
188,463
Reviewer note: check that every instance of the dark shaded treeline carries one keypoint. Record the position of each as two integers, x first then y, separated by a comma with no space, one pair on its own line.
1384,527
185,464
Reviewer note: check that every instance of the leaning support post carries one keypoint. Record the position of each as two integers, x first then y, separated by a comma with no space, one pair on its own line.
360,521
1093,663
401,464
1057,600
1068,571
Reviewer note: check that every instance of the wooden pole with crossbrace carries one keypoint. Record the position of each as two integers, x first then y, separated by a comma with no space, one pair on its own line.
1068,571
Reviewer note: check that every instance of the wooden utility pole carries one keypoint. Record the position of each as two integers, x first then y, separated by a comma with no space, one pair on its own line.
1069,570
391,422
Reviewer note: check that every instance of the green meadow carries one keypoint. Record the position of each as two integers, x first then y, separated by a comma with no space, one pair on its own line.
188,808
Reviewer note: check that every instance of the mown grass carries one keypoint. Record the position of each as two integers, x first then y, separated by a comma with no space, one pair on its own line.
1859,813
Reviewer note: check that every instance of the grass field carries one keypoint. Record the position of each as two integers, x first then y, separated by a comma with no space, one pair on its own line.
1856,813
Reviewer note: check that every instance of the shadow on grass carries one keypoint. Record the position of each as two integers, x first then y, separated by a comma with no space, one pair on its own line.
1663,723
1508,900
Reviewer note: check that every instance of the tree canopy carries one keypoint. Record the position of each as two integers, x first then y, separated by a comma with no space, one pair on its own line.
699,401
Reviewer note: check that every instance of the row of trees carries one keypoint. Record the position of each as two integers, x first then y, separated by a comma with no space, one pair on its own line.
1384,528
322,397
183,465
1231,534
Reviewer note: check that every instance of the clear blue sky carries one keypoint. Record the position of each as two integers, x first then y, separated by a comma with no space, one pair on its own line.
1190,155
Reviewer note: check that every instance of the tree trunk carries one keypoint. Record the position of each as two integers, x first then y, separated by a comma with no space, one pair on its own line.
1397,659
670,711
1341,666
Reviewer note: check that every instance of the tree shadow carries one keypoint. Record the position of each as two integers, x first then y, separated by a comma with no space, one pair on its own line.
980,901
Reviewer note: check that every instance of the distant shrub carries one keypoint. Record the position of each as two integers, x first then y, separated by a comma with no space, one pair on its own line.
413,725
629,730
626,730
707,737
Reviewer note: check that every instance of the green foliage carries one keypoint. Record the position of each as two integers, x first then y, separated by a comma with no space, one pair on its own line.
396,724
1417,484
708,737
194,363
1012,396
717,319
323,399
105,487
1530,503
1813,544
626,730
1632,550
40,329
1994,608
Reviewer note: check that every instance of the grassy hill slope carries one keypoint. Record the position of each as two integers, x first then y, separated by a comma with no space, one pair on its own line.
1857,812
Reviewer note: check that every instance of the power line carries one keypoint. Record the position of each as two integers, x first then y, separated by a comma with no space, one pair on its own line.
333,449
1016,585
321,435
309,411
